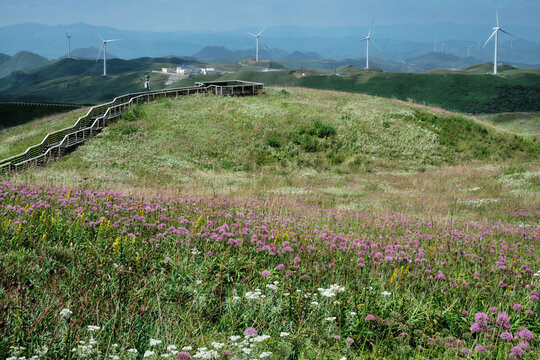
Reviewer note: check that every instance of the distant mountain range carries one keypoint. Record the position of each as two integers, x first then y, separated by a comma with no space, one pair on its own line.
398,42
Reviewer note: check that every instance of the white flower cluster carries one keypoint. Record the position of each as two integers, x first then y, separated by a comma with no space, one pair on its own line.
154,342
205,353
273,286
386,293
93,328
66,313
254,295
84,349
217,345
331,291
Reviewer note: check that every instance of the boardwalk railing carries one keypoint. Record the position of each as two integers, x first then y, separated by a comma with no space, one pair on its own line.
98,117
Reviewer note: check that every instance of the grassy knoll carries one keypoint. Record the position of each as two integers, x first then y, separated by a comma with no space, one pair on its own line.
17,139
17,114
517,122
326,148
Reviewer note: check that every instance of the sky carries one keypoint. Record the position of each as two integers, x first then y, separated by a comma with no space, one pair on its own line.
174,15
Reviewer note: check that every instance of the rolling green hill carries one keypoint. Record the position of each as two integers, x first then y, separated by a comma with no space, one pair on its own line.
468,93
81,82
24,61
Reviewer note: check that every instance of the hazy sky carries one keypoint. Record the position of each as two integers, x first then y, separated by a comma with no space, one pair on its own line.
170,15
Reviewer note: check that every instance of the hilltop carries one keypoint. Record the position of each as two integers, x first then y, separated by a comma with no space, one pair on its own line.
23,61
320,145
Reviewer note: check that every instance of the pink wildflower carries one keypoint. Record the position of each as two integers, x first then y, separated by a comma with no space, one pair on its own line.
250,331
370,317
265,273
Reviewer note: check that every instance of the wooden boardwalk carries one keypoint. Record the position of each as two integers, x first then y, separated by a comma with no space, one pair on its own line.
57,143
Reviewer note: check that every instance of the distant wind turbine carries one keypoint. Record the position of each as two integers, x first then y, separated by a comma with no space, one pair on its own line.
368,39
104,48
69,44
257,47
469,50
496,34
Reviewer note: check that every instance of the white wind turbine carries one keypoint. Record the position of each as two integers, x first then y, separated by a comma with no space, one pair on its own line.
104,48
257,47
368,39
496,34
69,44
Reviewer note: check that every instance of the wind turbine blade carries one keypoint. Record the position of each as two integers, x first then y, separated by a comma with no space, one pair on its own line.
112,40
378,47
496,13
101,37
99,53
371,27
251,34
492,35
364,39
259,34
506,32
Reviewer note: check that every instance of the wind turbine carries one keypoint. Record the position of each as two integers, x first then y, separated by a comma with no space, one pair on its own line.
104,48
69,44
257,48
496,34
469,50
368,39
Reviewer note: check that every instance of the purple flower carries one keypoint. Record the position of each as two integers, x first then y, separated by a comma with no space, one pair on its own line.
337,337
167,260
226,353
370,317
349,341
464,312
534,298
481,318
493,309
281,267
466,351
517,307
476,328
529,312
250,331
265,273
506,336
182,356
503,321
524,334
517,350
481,349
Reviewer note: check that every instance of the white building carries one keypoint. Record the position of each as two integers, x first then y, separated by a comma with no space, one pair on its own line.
208,71
188,70
168,70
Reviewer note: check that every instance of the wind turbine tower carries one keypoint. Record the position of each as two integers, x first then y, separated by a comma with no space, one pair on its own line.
257,46
104,48
495,33
69,44
469,50
368,39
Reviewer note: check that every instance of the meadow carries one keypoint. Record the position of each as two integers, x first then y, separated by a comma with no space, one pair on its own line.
302,224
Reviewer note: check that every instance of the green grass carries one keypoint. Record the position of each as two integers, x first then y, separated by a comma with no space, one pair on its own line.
517,123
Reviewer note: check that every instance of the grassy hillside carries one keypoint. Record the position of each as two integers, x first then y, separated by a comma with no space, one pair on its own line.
517,122
81,81
292,140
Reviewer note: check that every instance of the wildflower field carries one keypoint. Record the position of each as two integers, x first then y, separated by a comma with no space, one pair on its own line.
301,224
97,274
